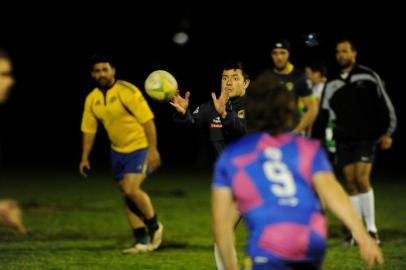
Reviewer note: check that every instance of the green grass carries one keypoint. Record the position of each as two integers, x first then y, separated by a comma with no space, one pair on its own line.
80,224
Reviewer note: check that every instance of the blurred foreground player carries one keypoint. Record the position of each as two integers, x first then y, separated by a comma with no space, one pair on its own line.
280,182
10,211
129,123
223,116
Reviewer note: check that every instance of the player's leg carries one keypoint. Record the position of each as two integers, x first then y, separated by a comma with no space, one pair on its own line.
346,159
140,233
366,196
131,187
11,215
365,157
236,217
349,173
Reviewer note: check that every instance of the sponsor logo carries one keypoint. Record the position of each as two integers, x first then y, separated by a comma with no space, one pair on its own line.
365,159
217,120
293,201
289,86
216,125
261,259
196,111
241,114
112,99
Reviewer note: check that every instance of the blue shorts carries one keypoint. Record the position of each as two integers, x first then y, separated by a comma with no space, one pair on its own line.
124,163
286,266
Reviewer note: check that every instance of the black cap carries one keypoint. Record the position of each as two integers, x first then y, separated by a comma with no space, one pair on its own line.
281,44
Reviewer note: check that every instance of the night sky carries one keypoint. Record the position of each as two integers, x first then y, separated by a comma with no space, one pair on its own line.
40,125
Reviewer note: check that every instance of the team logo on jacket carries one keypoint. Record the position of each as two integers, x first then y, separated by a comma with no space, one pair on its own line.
216,123
289,86
196,111
241,114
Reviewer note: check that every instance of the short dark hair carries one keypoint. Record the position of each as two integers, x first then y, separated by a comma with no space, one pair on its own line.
101,58
318,65
270,106
350,41
236,65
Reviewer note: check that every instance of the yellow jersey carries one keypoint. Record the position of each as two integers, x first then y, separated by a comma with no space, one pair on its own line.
122,109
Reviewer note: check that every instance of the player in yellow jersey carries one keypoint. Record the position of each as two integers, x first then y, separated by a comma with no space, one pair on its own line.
129,122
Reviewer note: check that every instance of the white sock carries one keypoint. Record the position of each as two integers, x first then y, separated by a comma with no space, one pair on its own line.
219,262
357,205
367,203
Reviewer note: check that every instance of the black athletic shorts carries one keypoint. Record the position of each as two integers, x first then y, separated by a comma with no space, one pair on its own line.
349,152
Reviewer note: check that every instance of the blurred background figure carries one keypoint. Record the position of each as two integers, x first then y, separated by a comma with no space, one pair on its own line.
316,73
294,81
11,215
10,211
6,78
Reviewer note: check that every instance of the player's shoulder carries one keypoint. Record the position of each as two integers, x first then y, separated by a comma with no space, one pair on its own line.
364,69
247,143
127,87
297,73
306,142
92,94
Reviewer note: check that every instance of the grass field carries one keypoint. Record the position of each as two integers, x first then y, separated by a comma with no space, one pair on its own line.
80,224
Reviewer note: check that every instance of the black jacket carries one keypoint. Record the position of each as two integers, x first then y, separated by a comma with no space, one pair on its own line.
221,131
359,106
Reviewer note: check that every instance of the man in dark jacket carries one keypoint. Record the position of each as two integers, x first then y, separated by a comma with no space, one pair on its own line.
223,116
363,116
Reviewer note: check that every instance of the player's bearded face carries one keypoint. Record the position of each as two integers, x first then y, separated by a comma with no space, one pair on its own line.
104,74
280,58
345,55
6,79
233,82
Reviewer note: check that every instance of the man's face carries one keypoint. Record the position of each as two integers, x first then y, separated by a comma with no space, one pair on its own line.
6,78
280,58
233,82
104,74
345,54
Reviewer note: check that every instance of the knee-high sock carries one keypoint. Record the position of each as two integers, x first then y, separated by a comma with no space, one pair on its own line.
357,205
367,202
134,208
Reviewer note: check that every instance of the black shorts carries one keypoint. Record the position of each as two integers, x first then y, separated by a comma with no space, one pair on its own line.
349,152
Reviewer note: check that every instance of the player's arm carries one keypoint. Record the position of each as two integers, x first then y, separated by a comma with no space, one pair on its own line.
183,115
230,120
337,201
223,225
154,159
386,109
139,108
87,145
89,129
310,114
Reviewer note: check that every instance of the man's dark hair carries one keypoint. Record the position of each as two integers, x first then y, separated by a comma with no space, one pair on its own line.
270,106
236,65
350,41
100,58
318,65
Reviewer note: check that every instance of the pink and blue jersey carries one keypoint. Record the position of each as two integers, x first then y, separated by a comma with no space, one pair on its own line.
271,181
